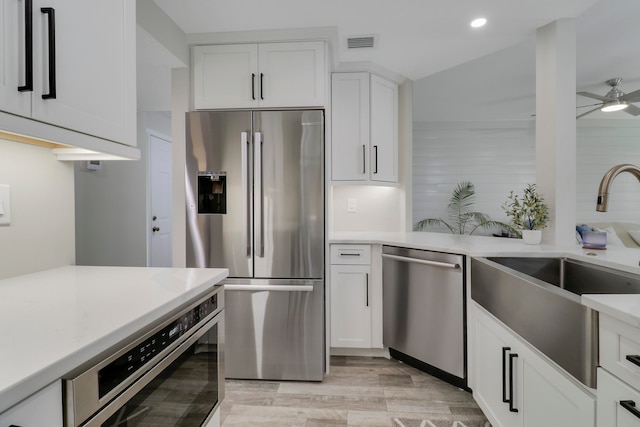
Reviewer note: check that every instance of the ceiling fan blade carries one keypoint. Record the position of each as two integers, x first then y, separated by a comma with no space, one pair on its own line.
589,105
631,96
588,112
633,110
594,96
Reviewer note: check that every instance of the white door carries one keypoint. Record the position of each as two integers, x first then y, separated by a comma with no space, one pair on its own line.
160,202
226,76
94,67
350,127
292,74
350,306
12,59
384,130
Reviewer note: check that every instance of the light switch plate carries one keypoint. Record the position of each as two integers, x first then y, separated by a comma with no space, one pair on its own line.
352,205
5,205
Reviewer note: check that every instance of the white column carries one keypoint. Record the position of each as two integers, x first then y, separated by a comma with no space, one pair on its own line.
556,127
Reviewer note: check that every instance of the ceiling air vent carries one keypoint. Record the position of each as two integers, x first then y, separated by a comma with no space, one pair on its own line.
360,42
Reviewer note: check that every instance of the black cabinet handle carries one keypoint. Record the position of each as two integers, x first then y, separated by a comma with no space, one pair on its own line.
504,374
28,47
261,86
367,288
364,158
51,15
630,406
375,154
253,86
348,254
635,359
512,408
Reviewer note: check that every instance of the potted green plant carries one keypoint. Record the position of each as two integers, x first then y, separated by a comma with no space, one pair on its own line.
461,218
530,214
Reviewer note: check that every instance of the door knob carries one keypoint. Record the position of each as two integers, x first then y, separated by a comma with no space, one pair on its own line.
156,229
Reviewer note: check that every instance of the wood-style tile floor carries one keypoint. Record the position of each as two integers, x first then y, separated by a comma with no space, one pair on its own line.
359,391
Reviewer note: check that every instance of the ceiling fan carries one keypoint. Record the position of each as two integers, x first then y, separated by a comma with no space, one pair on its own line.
614,100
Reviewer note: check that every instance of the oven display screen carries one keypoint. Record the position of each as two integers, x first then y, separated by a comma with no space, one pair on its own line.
126,365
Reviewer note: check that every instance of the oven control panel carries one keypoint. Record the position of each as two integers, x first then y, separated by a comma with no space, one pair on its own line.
111,375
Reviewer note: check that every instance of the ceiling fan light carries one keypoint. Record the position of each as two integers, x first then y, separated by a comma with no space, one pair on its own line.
479,22
614,106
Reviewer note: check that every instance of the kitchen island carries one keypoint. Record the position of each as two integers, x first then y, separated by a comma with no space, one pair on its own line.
53,321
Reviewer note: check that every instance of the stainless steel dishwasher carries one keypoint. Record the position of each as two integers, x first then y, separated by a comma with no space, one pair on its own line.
424,316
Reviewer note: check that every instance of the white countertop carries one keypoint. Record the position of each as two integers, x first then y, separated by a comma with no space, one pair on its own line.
55,320
623,307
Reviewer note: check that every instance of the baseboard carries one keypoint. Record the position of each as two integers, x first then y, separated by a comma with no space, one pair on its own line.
363,352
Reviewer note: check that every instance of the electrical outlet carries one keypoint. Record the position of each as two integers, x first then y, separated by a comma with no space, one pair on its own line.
352,205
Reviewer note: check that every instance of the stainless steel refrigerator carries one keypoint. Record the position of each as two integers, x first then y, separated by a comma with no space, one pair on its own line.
255,205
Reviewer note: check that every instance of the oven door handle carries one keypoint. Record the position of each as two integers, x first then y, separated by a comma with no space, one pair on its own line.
117,403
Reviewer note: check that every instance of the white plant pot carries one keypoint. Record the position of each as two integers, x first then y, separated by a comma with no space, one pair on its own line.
531,237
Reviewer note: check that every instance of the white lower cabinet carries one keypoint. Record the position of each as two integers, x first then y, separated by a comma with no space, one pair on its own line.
619,374
516,386
618,403
43,409
356,298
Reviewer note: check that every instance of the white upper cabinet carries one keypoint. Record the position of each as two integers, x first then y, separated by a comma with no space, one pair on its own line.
364,123
269,75
75,66
12,58
226,76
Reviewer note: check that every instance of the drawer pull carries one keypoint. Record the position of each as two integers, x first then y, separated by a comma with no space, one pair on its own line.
512,407
630,406
348,254
504,374
635,359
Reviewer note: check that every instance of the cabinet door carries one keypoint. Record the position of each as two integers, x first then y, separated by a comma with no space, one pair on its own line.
551,399
384,130
616,402
225,76
350,306
292,74
43,409
95,67
493,348
12,58
350,126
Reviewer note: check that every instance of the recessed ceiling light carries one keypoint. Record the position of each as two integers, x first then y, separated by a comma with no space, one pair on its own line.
479,22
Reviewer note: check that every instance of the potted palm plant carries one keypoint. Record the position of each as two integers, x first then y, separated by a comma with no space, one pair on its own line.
530,214
462,219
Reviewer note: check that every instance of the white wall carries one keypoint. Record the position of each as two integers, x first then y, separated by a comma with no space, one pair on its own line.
41,233
602,144
378,208
112,204
500,156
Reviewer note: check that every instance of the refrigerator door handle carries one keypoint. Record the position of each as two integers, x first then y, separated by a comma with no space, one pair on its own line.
259,199
246,185
275,288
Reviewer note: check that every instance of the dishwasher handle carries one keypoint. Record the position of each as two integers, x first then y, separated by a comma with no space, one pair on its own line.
453,266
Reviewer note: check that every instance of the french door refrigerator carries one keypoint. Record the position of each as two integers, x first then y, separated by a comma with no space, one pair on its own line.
255,205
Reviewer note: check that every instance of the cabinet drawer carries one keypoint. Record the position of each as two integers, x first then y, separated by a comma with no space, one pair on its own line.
620,349
350,254
617,402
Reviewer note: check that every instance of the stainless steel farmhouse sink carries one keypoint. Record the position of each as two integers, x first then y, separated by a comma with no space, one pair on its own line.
539,299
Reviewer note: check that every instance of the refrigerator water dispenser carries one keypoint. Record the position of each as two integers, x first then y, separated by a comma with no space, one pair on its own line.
212,192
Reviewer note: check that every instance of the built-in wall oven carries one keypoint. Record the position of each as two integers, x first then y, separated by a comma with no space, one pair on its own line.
172,375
